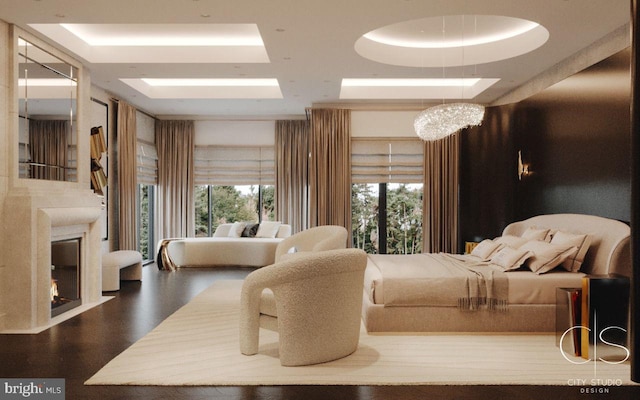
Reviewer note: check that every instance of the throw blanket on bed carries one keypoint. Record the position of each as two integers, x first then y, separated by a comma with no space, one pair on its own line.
442,280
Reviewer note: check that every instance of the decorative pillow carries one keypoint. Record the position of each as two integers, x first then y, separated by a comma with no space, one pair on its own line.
485,249
581,242
511,240
268,229
546,256
250,230
510,258
532,233
236,229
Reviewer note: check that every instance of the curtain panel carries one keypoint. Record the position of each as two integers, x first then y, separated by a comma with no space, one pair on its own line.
48,149
126,177
440,199
330,168
291,169
175,142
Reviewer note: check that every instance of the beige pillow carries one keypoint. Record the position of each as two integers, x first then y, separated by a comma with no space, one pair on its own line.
485,249
268,229
581,242
546,256
532,233
510,258
236,229
511,240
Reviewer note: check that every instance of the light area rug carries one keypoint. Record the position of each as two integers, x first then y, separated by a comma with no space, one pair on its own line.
198,345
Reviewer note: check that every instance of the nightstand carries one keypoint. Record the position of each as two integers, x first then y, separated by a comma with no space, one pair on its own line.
469,246
602,305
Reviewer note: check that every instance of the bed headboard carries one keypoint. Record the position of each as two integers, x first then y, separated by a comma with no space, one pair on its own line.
610,250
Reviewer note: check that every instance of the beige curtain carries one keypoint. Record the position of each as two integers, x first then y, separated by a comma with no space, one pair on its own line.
330,168
48,149
292,156
126,177
440,200
175,146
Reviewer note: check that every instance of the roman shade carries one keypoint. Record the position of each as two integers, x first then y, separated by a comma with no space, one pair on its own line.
386,160
234,165
147,163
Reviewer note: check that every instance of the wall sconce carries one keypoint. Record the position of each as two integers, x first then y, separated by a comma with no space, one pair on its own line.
523,169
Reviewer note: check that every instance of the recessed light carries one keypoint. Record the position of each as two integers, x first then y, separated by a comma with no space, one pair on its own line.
205,15
60,15
53,82
517,28
452,82
167,35
210,82
280,30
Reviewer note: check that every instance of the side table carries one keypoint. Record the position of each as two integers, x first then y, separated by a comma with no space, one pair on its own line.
602,306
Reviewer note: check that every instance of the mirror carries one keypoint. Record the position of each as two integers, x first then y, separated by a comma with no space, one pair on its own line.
47,94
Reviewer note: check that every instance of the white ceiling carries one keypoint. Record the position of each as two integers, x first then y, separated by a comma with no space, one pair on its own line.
309,47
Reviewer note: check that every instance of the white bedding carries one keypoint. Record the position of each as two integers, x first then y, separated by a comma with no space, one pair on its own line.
525,287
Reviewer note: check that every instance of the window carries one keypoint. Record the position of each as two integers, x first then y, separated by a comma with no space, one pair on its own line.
217,204
395,209
233,183
146,202
147,175
386,195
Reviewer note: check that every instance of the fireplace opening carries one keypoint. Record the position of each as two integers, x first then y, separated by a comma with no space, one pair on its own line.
65,276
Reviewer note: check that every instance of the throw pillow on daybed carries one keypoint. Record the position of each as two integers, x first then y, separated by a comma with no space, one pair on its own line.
236,229
268,229
250,230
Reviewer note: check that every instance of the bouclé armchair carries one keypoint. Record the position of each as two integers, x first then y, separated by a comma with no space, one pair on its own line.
319,238
314,303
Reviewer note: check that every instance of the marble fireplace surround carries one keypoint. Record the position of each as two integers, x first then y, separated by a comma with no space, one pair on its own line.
32,223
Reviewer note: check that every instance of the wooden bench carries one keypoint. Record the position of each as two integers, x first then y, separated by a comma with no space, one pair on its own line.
120,265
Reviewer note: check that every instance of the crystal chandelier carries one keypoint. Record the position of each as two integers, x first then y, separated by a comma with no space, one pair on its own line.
438,122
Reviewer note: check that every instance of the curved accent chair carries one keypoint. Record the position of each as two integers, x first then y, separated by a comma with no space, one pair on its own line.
319,238
314,303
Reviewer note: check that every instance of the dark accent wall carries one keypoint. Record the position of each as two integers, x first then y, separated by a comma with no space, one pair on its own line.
575,136
487,176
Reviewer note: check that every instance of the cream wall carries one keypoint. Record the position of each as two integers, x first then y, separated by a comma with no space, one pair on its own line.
255,133
262,133
383,123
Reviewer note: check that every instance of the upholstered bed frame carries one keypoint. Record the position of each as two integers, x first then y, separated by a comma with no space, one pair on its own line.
609,253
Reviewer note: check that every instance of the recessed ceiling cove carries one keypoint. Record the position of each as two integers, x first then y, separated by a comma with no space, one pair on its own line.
452,40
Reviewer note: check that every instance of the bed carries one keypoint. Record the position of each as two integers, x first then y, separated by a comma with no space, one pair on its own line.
418,293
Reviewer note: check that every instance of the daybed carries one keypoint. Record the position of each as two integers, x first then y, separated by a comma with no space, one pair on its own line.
227,246
402,294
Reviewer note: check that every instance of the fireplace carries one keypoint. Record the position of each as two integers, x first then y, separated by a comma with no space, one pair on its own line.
26,272
65,275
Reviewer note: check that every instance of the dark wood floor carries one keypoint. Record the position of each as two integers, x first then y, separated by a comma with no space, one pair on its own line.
79,347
